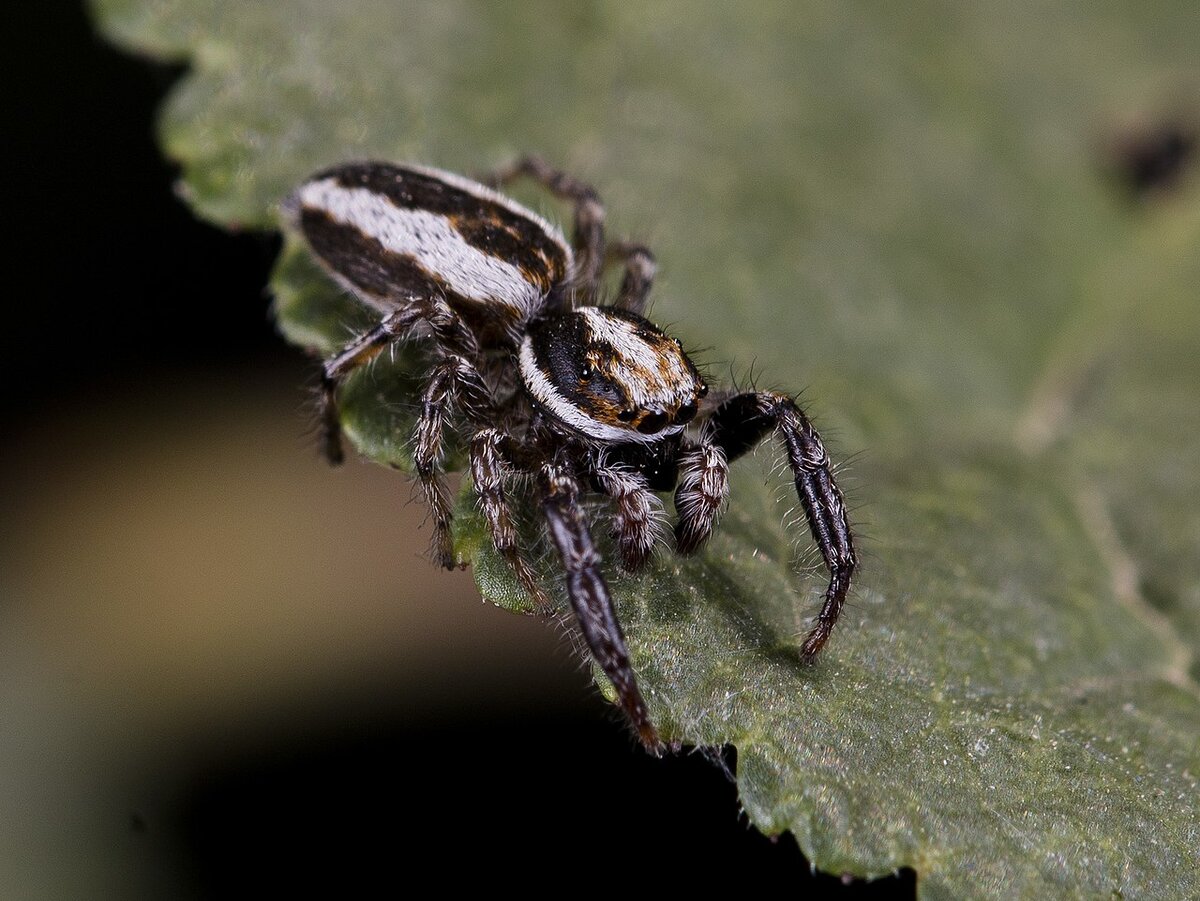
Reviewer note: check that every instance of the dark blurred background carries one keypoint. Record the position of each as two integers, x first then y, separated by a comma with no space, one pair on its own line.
224,667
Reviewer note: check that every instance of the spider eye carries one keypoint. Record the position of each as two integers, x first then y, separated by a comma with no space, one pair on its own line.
586,373
703,392
627,415
686,413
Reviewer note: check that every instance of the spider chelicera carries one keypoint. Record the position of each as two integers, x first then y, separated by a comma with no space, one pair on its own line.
543,382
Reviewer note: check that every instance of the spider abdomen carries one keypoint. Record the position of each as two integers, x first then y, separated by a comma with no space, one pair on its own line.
610,375
392,233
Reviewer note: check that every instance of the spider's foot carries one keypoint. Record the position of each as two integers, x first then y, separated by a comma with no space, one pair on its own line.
649,737
652,744
443,553
540,599
331,448
815,641
631,701
634,557
330,424
689,540
835,598
529,582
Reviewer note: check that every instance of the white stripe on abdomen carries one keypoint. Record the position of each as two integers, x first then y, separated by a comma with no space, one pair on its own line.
429,239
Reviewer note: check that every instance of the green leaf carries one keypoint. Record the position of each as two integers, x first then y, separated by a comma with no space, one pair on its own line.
905,211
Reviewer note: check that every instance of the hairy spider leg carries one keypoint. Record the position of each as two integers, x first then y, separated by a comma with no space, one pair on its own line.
640,269
701,494
453,379
492,455
360,350
742,422
589,596
637,506
428,438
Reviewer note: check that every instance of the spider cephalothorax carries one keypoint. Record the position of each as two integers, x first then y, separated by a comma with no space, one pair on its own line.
548,384
610,375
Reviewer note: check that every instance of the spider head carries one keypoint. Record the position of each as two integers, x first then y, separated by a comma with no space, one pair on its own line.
610,375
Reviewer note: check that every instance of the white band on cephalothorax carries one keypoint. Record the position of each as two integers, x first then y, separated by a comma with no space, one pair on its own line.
544,392
429,239
638,357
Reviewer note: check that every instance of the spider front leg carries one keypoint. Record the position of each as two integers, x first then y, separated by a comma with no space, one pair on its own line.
491,467
638,509
702,492
588,593
744,420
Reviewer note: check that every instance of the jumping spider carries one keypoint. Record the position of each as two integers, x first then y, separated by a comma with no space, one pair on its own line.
543,382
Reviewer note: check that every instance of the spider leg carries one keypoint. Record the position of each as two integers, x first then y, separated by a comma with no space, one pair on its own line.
702,492
588,593
633,525
393,327
588,238
453,380
427,457
744,420
640,269
446,326
491,466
